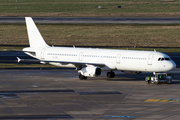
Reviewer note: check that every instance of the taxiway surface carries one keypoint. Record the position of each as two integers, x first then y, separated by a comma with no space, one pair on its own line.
59,94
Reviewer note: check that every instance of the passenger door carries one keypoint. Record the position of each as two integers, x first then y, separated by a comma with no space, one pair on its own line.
150,57
42,53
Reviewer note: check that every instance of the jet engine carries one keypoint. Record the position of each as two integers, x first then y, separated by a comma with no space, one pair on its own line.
90,71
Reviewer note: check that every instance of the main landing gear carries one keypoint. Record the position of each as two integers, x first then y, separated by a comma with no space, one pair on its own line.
110,74
81,77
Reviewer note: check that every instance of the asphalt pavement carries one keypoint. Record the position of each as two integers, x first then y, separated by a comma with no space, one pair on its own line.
59,94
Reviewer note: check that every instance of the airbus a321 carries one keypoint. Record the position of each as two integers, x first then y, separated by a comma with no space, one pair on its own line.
90,62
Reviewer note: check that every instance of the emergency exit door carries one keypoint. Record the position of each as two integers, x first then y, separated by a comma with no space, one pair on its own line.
80,56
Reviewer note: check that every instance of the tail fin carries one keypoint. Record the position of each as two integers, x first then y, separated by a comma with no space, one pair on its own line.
35,38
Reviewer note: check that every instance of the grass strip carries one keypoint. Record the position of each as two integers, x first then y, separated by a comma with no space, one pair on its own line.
149,8
131,35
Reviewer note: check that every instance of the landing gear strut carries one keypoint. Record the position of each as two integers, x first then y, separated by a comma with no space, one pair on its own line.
81,77
110,74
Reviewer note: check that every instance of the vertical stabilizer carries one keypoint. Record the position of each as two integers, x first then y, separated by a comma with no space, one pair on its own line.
35,38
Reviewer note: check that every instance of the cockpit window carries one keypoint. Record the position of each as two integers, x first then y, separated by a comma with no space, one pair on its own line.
167,59
162,59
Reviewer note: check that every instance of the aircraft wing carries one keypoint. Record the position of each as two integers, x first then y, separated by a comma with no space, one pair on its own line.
77,64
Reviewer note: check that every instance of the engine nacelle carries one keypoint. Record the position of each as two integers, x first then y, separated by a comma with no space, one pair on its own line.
90,71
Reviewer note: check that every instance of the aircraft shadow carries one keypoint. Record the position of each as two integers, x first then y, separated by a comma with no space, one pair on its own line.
128,77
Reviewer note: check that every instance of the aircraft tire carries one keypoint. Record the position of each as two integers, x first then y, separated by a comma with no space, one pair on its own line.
110,74
81,77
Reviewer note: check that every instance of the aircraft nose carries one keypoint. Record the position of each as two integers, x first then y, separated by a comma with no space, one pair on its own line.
173,65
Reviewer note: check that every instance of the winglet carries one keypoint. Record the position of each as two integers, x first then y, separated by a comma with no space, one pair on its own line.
35,38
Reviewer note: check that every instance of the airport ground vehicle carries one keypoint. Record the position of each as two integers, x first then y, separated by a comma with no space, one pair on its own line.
160,78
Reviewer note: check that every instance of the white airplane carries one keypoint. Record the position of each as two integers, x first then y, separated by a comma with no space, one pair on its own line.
90,62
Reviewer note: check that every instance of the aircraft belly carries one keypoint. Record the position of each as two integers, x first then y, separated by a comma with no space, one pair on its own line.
62,65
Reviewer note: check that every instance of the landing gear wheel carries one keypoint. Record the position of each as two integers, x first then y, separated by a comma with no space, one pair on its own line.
81,77
110,74
113,75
